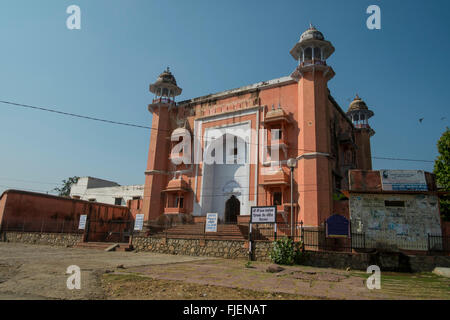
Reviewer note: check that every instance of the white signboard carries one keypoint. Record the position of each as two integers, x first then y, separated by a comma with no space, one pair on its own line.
403,180
139,222
82,224
263,214
211,222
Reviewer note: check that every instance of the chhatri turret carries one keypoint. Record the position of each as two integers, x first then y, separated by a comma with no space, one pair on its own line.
312,74
311,52
165,88
359,114
162,109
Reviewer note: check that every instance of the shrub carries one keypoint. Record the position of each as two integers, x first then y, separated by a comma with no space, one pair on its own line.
285,251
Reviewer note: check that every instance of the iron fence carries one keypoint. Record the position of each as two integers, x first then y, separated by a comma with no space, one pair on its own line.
311,239
109,230
438,243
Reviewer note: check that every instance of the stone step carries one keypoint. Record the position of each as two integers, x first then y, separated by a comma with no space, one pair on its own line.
103,246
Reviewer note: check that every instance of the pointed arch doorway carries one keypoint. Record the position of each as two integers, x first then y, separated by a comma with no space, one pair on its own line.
232,209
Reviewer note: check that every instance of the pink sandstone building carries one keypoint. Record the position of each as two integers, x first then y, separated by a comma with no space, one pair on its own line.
290,117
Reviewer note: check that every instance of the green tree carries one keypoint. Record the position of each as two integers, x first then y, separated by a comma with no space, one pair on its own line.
442,172
64,191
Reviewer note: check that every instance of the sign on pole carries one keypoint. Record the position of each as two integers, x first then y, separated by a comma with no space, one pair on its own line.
82,223
211,222
139,222
266,214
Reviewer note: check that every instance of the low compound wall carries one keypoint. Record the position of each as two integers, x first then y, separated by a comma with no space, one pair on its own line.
231,249
386,261
54,239
239,250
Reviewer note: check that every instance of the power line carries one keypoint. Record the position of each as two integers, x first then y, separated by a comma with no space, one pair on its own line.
399,159
74,115
166,130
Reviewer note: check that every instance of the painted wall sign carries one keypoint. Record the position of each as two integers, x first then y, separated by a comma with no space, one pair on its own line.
337,226
403,180
139,222
82,224
211,222
263,214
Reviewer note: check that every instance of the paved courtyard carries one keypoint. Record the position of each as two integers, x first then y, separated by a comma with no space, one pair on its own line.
38,272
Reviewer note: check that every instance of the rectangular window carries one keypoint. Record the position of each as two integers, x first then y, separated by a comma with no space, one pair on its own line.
179,202
394,203
277,134
277,198
118,201
92,200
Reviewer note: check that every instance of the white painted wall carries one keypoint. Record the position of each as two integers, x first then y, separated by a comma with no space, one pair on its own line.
105,191
221,181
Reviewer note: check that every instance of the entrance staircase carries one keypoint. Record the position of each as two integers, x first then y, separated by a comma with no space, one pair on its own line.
104,246
196,231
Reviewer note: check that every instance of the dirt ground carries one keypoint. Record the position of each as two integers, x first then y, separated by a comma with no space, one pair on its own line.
39,272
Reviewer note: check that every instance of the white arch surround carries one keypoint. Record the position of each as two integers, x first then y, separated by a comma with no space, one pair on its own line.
220,181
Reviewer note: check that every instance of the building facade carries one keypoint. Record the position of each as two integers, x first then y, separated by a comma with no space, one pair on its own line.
250,133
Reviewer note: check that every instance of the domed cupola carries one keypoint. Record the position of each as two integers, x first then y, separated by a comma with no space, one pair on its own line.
312,48
311,33
359,113
165,88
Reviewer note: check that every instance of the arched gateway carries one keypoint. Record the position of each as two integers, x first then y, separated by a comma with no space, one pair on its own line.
232,209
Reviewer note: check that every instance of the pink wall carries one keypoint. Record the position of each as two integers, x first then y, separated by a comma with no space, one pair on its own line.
35,212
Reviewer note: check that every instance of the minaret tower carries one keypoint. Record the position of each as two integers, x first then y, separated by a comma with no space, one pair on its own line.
312,73
359,113
165,89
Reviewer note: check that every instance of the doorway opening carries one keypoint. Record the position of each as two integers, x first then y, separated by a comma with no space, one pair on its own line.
232,209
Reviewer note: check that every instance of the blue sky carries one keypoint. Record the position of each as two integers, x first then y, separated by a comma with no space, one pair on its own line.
103,70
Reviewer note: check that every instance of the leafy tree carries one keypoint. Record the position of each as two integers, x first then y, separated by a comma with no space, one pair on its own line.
442,172
64,191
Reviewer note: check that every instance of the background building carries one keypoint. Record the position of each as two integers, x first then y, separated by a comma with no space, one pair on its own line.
104,191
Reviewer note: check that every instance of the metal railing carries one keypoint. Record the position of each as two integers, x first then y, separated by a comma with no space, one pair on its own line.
312,239
438,243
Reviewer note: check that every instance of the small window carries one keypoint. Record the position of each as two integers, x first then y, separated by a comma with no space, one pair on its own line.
118,201
179,201
317,55
394,203
308,53
277,134
277,198
92,200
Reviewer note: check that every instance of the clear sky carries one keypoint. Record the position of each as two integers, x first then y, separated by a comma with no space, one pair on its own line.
103,70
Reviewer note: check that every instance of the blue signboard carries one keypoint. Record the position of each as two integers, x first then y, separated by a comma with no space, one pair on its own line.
337,226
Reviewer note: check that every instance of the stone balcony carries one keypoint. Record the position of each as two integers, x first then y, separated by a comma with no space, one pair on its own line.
276,177
174,210
177,185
